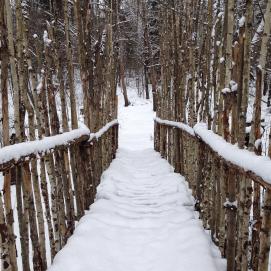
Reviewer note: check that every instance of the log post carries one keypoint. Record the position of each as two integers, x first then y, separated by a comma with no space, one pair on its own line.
177,162
231,208
200,167
265,233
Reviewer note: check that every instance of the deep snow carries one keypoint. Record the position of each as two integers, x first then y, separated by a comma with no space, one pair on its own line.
143,218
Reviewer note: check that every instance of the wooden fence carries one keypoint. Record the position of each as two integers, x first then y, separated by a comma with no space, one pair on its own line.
234,202
47,186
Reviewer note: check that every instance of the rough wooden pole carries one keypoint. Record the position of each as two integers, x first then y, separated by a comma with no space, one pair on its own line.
231,220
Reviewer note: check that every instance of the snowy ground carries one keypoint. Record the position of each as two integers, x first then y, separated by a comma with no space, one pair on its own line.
143,217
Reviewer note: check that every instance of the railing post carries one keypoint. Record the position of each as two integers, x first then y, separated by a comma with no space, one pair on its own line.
212,192
9,221
5,255
92,171
193,156
75,164
60,200
231,220
169,144
206,187
244,207
222,199
181,152
172,146
85,150
265,233
116,139
256,225
177,162
217,199
162,140
156,136
65,185
200,166
30,209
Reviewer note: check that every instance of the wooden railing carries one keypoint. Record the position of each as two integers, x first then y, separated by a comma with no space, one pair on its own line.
55,180
232,189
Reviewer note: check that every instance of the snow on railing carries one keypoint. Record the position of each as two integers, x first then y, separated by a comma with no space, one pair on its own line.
249,161
103,130
16,151
176,124
21,151
257,166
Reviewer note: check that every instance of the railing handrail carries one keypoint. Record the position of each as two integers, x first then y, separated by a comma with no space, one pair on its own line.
258,170
176,124
103,130
17,153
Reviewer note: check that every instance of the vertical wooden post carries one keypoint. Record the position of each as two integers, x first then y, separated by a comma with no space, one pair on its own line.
244,206
156,136
45,195
22,219
177,150
181,151
265,233
5,256
222,218
212,193
117,136
200,166
76,182
162,140
169,144
231,220
30,207
39,210
217,199
10,221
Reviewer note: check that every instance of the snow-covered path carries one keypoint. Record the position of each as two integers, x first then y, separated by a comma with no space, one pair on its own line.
143,218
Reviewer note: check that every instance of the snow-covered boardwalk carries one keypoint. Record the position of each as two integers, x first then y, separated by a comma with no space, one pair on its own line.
143,218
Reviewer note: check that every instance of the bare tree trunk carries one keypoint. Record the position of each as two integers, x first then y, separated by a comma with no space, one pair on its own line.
70,66
4,75
12,59
264,238
10,221
5,256
122,76
6,260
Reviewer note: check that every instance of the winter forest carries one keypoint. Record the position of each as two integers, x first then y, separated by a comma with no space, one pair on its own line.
135,135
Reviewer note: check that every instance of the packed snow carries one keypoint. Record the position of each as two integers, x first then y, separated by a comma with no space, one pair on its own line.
143,218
